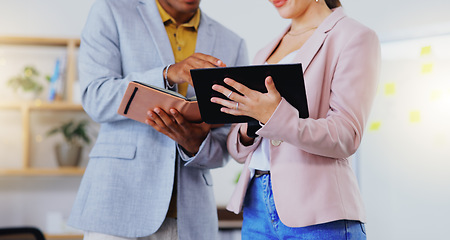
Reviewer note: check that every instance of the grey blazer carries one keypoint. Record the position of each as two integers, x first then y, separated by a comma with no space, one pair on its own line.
127,185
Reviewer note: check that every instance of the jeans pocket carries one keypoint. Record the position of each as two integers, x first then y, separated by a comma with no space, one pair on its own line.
363,227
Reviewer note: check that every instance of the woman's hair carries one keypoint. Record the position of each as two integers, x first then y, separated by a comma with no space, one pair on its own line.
333,3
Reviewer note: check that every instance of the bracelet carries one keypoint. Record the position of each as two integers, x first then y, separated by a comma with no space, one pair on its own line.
166,81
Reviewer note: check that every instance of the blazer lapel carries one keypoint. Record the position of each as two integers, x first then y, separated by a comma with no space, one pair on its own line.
206,36
310,49
315,42
152,20
311,46
304,56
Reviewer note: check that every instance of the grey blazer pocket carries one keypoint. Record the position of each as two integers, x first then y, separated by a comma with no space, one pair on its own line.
103,150
207,177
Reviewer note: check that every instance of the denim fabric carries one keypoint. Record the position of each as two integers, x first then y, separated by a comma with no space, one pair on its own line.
261,220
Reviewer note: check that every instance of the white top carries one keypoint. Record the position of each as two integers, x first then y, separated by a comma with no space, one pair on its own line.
261,156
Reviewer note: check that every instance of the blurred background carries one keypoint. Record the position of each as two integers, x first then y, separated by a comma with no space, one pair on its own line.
403,164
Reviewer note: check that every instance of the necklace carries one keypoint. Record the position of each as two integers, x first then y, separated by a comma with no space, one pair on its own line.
300,33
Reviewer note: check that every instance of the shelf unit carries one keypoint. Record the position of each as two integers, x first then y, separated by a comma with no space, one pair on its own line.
70,44
226,220
27,107
63,236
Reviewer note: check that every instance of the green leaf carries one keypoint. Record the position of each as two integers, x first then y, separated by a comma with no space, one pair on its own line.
72,132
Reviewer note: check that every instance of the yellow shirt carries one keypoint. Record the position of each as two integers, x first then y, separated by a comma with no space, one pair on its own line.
182,38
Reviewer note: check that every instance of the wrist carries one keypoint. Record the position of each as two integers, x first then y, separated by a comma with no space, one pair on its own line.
189,153
166,77
244,138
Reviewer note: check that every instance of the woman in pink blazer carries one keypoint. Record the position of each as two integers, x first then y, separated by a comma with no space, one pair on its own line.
297,181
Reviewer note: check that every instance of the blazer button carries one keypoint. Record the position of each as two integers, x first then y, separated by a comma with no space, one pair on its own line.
275,143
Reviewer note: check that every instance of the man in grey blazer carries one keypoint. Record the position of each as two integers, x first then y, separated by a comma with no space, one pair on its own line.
133,167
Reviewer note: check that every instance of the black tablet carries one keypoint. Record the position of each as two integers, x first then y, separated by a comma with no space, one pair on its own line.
288,79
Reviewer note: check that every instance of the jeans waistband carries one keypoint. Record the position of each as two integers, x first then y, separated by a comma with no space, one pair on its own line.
259,173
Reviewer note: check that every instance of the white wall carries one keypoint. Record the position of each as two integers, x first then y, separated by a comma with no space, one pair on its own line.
404,179
404,167
401,19
43,18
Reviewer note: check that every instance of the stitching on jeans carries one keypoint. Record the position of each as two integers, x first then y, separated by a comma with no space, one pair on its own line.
346,229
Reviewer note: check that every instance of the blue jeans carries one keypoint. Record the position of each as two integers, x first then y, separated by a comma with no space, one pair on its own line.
261,219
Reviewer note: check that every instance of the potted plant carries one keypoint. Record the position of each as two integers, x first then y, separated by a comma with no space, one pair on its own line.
68,153
26,84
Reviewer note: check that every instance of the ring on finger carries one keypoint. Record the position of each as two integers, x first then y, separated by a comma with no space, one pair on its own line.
237,106
229,94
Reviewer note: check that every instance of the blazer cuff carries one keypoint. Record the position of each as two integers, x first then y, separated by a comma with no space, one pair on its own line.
274,127
188,158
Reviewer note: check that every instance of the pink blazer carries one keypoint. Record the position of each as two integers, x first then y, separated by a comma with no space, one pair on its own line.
312,179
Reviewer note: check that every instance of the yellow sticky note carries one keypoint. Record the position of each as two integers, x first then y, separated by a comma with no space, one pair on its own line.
425,51
414,116
389,89
427,68
374,126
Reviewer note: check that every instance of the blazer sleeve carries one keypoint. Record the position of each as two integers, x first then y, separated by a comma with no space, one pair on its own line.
237,150
353,87
102,81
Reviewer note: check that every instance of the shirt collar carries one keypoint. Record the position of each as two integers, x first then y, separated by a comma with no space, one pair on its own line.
193,22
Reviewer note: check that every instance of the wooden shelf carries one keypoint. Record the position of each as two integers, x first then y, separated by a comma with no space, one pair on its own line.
27,107
62,171
10,105
28,112
226,224
38,41
71,44
228,220
63,236
42,105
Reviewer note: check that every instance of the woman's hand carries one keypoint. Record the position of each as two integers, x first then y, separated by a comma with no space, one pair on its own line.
257,105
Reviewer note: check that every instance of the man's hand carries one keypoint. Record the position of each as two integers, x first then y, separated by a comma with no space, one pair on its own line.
180,72
188,135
